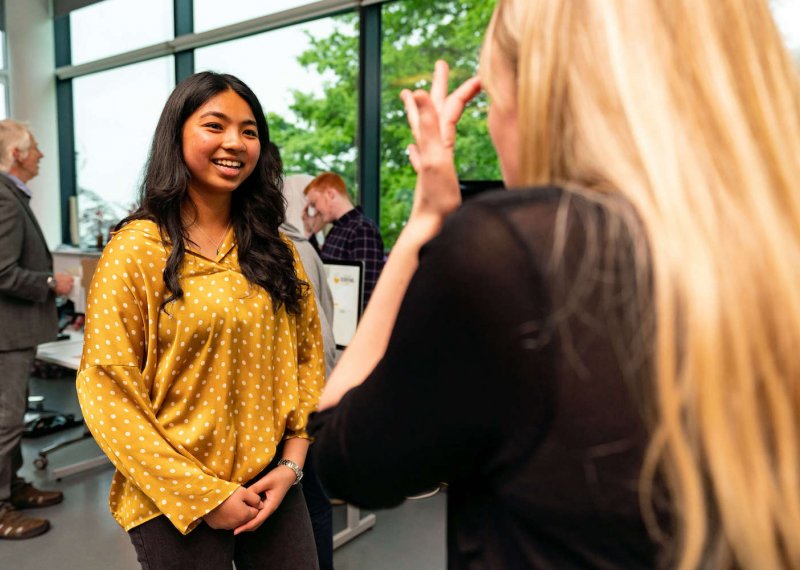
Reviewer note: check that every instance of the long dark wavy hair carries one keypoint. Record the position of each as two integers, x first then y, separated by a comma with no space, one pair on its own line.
257,207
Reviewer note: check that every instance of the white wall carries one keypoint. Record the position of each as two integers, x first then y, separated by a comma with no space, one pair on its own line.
32,94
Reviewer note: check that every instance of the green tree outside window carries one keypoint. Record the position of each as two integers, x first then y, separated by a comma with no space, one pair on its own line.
321,135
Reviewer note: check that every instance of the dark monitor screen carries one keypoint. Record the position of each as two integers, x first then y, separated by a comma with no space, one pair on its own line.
472,188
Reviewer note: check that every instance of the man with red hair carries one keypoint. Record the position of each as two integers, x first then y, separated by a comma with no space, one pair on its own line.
354,237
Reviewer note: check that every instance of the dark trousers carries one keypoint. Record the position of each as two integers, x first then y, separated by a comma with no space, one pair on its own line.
284,541
16,368
319,508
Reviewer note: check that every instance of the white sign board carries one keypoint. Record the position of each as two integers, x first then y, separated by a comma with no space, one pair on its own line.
346,280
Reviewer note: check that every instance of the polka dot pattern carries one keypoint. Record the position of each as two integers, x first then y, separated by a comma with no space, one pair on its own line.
191,403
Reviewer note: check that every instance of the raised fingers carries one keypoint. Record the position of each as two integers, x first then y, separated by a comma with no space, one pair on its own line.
453,107
464,93
427,121
412,115
439,83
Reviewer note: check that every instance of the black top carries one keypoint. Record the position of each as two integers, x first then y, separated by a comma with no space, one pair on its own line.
501,379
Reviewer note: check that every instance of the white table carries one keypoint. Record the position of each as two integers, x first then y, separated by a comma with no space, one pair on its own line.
66,353
356,525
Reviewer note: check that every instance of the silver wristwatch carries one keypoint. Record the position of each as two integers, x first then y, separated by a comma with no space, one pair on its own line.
51,282
298,473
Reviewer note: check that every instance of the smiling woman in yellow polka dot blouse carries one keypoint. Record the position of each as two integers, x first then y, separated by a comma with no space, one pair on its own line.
192,396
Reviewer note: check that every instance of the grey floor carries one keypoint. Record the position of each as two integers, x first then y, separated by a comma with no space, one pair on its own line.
84,536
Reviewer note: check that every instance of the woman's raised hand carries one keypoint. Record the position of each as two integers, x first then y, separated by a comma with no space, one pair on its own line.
432,117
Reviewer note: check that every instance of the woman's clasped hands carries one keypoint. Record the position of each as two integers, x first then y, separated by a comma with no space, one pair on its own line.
240,508
245,510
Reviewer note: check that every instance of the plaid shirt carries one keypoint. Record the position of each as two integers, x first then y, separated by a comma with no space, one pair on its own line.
354,237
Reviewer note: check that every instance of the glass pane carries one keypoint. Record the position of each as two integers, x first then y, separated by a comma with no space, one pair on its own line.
306,77
3,101
453,31
116,112
116,26
208,15
787,16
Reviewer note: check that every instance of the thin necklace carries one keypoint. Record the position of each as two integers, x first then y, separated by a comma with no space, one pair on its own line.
217,244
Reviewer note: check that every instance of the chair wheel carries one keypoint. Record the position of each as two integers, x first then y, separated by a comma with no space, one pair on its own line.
40,462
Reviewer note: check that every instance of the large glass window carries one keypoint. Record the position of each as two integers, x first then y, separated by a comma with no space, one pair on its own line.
112,27
415,34
306,77
787,16
116,112
3,66
208,14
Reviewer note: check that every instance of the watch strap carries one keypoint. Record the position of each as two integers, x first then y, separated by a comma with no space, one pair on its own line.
298,472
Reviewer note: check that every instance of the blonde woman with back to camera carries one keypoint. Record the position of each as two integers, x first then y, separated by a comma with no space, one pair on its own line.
603,362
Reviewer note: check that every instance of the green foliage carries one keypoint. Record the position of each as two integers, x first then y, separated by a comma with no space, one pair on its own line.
322,135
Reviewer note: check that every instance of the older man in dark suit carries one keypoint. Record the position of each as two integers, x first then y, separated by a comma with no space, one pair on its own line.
28,289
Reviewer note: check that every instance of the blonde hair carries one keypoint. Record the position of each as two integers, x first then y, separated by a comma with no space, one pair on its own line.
13,136
690,110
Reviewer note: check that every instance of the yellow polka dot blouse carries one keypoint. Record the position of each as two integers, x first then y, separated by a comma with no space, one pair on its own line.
190,404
